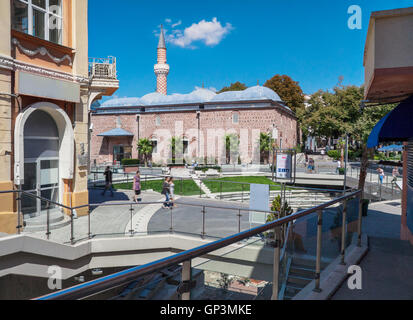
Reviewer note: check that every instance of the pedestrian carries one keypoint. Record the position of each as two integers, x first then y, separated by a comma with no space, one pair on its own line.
166,193
172,191
338,166
311,166
395,174
108,181
137,186
381,174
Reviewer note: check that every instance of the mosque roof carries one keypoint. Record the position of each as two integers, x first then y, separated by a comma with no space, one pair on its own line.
200,95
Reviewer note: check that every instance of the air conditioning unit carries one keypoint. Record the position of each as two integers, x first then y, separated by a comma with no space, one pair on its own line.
102,70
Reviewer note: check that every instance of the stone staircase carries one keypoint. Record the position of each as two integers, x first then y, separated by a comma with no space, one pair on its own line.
202,186
56,220
297,199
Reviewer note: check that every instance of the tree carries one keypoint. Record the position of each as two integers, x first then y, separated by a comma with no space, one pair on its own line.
265,145
145,148
368,118
289,91
177,148
335,114
231,146
237,86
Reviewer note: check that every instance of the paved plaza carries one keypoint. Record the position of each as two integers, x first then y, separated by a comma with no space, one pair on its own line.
386,269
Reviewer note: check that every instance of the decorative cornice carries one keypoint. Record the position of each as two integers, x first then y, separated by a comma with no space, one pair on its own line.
42,51
12,64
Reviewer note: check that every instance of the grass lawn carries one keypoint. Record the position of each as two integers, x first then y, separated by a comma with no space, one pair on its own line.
215,186
182,187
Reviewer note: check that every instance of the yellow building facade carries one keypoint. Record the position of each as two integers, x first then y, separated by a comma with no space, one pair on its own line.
46,90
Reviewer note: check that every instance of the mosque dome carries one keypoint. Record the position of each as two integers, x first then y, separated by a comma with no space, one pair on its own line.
200,95
253,93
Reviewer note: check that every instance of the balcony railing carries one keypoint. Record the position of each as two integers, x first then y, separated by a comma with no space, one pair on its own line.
102,68
327,230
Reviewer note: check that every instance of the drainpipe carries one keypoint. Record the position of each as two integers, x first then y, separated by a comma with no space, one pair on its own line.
16,96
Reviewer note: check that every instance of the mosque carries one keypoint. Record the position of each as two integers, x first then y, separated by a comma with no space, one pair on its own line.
200,120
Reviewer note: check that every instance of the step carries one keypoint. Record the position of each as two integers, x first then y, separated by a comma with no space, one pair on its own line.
303,271
300,280
56,224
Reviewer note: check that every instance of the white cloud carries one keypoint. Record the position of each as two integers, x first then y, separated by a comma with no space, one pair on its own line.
176,24
210,33
168,20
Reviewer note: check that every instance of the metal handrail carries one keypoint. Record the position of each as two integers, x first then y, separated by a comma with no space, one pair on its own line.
123,277
39,197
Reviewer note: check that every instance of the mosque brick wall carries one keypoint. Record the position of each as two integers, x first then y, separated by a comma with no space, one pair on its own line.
162,126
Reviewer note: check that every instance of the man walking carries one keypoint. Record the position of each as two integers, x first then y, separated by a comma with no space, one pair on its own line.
166,193
108,180
338,166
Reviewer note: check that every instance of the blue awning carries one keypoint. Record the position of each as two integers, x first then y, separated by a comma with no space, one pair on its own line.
118,132
397,125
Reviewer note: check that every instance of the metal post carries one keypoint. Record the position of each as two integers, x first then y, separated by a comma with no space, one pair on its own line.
276,267
131,218
242,193
239,220
182,186
88,224
72,238
380,185
272,166
186,280
203,223
19,202
221,192
48,220
360,219
345,166
171,226
343,233
318,259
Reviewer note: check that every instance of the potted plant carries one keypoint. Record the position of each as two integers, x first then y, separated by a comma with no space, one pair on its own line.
284,210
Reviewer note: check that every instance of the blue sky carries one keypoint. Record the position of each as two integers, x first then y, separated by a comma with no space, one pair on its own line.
250,41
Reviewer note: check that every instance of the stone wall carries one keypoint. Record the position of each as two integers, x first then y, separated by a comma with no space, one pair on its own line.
213,124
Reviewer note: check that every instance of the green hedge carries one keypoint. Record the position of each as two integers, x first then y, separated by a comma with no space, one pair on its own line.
335,154
206,168
130,162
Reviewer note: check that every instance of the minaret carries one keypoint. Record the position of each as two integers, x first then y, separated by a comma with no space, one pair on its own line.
161,68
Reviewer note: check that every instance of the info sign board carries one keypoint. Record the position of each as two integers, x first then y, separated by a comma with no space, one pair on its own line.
259,200
284,164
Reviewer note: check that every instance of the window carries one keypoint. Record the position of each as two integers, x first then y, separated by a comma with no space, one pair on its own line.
158,121
235,118
121,152
39,18
185,146
154,146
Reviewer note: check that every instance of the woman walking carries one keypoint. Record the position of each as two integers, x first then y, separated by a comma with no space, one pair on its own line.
172,191
137,186
166,193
